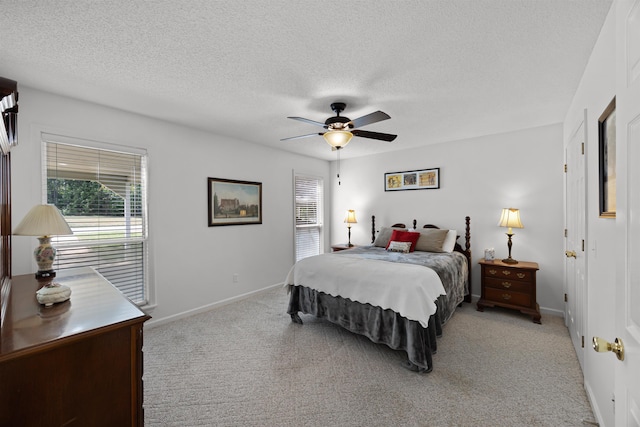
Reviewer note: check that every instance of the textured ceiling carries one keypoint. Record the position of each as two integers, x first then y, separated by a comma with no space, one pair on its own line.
443,70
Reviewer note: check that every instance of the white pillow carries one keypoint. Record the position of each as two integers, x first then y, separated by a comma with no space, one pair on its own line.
450,241
403,247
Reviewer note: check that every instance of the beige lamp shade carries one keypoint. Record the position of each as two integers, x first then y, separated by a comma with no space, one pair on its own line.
337,138
43,220
351,217
510,218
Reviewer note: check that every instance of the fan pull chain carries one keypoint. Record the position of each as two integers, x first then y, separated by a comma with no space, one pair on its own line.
338,166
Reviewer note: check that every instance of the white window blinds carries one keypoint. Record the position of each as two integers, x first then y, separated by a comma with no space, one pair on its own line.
102,195
308,216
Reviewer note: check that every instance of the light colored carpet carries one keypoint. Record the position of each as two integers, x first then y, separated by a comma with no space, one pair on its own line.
246,364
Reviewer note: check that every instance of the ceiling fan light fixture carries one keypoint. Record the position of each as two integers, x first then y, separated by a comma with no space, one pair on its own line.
337,138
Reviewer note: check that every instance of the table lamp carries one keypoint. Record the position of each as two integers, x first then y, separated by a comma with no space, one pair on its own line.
350,219
45,221
510,218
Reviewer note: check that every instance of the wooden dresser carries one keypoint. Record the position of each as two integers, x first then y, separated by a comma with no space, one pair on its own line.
76,363
509,285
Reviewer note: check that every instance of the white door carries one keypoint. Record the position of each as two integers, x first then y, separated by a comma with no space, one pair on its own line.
575,291
627,313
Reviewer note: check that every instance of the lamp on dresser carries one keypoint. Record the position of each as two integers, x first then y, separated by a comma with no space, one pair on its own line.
510,218
45,221
350,219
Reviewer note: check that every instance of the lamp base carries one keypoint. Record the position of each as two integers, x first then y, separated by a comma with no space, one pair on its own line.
509,260
44,275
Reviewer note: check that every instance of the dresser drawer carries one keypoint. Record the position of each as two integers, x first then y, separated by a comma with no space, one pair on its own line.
507,273
507,284
508,297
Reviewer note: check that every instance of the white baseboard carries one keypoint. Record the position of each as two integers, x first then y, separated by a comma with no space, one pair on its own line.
154,323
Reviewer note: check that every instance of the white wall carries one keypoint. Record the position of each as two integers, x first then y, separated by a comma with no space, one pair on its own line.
595,92
192,264
479,177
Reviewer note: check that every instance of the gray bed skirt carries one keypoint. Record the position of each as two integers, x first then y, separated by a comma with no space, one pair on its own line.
382,326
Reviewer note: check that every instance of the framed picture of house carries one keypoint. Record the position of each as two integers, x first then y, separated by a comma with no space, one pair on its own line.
607,160
423,179
234,202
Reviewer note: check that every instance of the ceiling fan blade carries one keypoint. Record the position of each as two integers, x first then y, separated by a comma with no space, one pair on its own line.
313,122
374,135
378,116
302,136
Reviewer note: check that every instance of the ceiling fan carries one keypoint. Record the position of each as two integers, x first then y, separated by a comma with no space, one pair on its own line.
341,129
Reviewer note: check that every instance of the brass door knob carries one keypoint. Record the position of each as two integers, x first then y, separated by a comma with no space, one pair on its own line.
601,346
570,254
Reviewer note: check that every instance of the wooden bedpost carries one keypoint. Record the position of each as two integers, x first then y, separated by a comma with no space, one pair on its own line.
467,234
467,246
373,229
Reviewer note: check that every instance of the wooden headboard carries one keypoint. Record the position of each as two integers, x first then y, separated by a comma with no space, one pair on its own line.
467,245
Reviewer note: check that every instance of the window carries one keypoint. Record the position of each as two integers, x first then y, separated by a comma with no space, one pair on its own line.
308,205
101,192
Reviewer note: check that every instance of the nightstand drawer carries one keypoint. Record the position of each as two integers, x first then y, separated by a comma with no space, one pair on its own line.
507,273
507,284
508,297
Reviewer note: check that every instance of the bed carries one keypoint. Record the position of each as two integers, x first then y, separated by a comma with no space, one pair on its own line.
384,292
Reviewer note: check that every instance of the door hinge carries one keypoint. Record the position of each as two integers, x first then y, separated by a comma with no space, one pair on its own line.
582,245
565,168
583,148
583,341
566,233
566,299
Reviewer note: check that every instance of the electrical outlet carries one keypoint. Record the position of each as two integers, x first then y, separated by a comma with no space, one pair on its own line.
235,277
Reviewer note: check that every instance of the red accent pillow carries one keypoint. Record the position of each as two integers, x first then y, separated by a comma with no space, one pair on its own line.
404,236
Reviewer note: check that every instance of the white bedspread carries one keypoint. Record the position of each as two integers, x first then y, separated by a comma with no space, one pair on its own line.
407,289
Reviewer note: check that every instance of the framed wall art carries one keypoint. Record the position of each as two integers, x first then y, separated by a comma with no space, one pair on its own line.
234,202
424,179
607,160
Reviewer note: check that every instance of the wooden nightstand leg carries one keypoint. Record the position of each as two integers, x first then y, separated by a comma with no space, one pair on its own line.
537,316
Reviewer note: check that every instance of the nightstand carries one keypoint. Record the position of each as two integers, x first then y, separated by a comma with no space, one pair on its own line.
341,247
510,286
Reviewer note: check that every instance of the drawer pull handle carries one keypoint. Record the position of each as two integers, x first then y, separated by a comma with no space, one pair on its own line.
506,296
506,272
520,275
506,284
492,271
